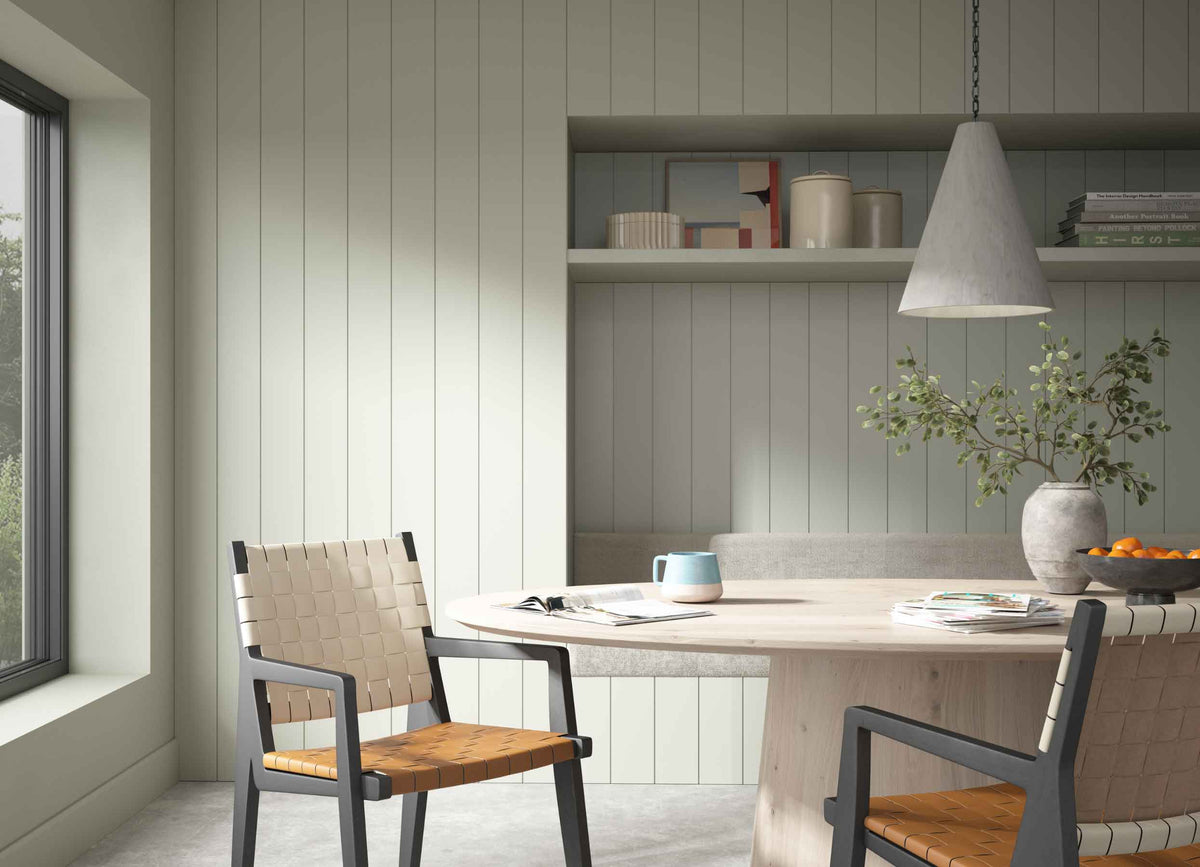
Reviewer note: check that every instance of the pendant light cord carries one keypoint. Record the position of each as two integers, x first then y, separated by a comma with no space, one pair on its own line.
975,60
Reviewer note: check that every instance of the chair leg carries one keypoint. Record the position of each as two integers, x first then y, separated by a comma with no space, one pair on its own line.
572,814
853,793
245,814
412,829
353,824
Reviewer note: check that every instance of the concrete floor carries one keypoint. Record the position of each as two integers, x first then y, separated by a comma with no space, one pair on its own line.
484,824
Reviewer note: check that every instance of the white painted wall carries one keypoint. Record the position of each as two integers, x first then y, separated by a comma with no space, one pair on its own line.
373,311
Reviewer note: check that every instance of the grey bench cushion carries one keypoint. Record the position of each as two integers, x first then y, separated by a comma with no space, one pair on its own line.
613,558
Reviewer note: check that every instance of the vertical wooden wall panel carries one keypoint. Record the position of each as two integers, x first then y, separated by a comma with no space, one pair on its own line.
868,168
1028,170
632,57
750,407
906,475
1181,170
1024,339
456,334
282,195
810,57
544,180
238,263
1166,61
594,187
1181,316
676,736
720,66
633,408
898,57
632,759
1144,171
202,582
589,54
942,82
711,408
369,271
1120,55
907,172
854,57
947,491
1143,314
413,267
676,57
867,366
593,407
1069,318
1031,60
765,54
500,376
632,174
672,409
720,744
828,479
986,352
1076,56
789,408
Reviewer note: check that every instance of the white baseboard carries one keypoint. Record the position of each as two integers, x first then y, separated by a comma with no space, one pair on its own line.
72,831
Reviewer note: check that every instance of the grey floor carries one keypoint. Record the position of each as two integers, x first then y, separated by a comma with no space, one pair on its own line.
485,824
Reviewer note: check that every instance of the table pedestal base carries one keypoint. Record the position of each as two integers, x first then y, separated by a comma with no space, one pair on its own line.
999,700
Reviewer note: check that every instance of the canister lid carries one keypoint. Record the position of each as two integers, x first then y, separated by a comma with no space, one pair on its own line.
821,176
877,190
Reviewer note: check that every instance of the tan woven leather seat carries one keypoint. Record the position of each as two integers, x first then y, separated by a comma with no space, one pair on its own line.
438,756
978,828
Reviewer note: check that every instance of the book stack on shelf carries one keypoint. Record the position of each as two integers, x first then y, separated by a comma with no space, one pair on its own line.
976,612
1132,220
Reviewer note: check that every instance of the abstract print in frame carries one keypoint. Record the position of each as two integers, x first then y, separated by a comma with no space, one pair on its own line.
726,204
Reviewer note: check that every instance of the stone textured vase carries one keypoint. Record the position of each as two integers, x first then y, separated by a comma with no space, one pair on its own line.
1058,518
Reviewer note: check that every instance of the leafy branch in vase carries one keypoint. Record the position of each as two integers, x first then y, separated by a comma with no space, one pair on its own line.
1057,431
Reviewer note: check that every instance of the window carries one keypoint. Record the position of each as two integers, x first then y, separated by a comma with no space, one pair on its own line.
33,124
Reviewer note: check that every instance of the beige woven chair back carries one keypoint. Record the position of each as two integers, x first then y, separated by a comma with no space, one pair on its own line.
353,606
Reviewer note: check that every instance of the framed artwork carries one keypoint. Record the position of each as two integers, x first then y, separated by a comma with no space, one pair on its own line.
726,204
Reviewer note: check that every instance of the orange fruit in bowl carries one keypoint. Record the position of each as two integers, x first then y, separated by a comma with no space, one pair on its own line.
1173,555
1194,555
1098,552
1141,554
1156,551
1129,544
1119,552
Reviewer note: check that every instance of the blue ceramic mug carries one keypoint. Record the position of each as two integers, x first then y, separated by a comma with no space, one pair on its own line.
689,576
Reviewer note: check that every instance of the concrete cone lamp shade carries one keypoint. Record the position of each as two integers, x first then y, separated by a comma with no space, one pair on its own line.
976,256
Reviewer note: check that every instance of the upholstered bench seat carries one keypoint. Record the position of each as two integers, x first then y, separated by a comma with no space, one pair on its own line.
439,756
978,828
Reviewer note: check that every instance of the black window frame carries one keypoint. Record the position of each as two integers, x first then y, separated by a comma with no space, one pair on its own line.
45,364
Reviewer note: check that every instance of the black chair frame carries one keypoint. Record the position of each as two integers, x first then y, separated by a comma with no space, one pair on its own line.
352,786
1047,834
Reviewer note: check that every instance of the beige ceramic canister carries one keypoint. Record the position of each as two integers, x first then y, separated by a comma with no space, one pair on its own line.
822,213
877,218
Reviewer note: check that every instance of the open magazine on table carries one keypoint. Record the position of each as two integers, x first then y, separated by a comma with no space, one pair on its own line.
611,606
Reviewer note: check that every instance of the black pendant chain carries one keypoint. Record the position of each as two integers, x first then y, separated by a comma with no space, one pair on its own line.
975,60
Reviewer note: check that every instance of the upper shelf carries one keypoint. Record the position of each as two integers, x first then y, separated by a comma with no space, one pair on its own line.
857,265
779,133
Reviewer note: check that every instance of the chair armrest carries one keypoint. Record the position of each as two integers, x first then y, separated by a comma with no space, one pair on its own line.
558,659
1011,766
345,695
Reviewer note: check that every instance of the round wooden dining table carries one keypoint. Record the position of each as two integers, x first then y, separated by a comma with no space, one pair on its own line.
832,644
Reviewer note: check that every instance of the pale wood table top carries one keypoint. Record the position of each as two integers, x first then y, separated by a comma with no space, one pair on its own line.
828,616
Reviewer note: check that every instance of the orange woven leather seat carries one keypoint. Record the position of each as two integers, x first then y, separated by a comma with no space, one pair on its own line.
438,756
978,828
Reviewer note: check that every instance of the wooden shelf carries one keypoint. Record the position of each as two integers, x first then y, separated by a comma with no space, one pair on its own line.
1060,264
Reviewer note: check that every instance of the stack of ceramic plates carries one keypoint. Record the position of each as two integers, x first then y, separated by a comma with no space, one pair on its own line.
644,230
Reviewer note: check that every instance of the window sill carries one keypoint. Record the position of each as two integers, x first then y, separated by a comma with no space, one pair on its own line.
49,701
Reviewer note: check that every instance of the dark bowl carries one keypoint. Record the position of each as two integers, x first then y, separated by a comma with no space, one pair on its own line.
1144,581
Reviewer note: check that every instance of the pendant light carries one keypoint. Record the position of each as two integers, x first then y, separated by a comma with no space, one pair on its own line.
976,257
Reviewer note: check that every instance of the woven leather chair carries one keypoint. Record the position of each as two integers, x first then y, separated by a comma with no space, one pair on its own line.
341,628
1115,780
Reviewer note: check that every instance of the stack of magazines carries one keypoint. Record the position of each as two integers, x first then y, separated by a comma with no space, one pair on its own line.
1132,220
976,612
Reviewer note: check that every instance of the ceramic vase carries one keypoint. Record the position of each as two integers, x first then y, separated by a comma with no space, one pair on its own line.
1058,518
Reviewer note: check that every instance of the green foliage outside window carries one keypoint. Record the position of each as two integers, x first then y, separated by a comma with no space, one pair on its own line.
11,487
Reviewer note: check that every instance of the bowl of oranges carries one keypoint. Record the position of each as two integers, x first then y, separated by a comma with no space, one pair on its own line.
1148,574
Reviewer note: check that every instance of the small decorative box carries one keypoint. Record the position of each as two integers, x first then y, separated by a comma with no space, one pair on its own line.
644,230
